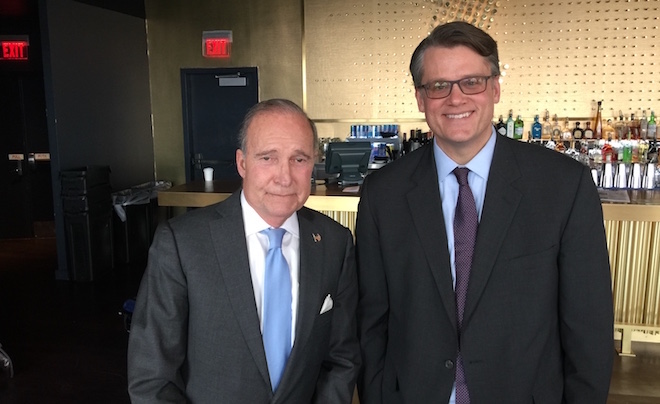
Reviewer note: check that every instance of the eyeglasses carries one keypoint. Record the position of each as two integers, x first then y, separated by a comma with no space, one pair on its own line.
468,85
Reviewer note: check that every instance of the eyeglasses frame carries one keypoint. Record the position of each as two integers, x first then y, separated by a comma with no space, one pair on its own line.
458,83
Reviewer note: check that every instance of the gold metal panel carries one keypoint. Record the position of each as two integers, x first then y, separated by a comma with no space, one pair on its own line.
635,263
345,218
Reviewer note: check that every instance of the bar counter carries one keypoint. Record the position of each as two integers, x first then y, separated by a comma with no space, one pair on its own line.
198,194
632,228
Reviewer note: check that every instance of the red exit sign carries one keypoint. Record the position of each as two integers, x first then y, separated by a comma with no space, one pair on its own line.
14,48
216,44
217,48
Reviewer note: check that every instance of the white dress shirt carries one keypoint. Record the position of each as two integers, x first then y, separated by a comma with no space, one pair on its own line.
257,245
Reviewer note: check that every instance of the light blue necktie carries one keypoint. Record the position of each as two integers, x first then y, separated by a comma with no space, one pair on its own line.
277,307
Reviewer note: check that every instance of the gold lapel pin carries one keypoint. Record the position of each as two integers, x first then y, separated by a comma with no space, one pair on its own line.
316,237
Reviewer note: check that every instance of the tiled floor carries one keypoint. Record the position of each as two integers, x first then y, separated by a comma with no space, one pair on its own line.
68,342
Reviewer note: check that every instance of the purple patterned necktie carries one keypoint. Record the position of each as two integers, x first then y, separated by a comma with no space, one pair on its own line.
466,222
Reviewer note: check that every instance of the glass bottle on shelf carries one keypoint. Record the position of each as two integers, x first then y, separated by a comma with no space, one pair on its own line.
510,125
652,153
607,152
643,125
577,131
608,130
598,123
567,134
560,147
634,127
620,127
588,132
547,128
414,140
500,127
556,130
627,151
643,150
652,127
537,128
518,128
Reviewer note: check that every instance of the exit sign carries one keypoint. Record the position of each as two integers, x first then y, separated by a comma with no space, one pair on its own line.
216,44
217,48
14,48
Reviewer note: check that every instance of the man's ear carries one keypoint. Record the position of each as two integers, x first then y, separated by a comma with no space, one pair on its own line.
240,162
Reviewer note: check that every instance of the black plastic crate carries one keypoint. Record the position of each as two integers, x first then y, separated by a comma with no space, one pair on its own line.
81,180
98,198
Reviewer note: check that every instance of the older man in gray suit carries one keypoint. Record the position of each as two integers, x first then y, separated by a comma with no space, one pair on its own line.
198,333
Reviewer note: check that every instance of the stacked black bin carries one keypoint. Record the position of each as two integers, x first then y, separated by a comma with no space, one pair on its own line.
87,205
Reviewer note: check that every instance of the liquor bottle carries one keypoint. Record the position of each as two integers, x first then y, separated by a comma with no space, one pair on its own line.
560,147
518,128
500,127
607,153
609,132
583,157
556,130
652,153
577,131
643,126
634,127
598,123
567,136
547,128
510,125
620,127
421,138
643,150
537,128
588,132
414,141
627,151
652,127
405,145
566,132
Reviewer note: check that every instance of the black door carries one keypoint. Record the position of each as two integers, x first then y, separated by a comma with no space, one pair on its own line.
26,204
214,104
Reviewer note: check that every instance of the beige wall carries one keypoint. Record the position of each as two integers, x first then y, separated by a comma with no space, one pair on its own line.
264,36
346,61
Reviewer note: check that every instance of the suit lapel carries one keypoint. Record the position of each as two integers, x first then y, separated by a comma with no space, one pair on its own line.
228,234
500,205
426,211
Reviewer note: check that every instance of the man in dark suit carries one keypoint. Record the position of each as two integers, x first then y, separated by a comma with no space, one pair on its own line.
196,333
534,321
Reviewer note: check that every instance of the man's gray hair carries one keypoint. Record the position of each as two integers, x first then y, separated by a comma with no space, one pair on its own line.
273,105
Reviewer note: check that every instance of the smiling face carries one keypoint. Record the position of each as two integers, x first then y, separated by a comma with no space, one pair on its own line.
461,123
276,165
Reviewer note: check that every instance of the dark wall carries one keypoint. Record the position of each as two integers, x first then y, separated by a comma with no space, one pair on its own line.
97,93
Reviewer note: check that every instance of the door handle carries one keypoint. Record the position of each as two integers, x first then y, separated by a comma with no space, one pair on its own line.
32,162
18,158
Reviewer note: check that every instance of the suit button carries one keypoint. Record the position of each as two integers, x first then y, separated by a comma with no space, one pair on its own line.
449,364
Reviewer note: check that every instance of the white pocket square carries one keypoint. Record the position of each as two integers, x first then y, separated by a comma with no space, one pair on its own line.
327,304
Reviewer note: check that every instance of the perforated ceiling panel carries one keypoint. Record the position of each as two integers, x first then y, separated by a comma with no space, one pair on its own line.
562,56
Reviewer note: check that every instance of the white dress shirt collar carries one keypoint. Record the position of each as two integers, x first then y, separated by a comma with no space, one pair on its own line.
254,223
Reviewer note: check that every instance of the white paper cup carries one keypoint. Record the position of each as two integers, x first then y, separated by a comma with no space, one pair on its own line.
208,174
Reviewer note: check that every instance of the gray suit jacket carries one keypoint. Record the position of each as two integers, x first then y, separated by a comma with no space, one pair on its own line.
195,333
538,322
